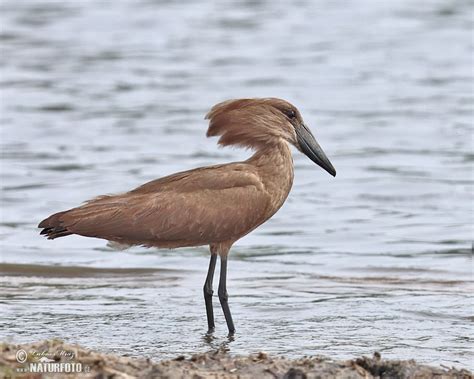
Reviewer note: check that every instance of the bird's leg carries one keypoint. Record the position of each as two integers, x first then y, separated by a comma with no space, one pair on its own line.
208,291
223,297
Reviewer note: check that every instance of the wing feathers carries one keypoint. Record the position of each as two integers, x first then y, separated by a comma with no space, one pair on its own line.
192,208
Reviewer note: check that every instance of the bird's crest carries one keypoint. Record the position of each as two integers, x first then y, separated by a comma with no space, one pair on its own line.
251,123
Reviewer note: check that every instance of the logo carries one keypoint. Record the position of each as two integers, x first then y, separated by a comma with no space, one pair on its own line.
60,361
21,356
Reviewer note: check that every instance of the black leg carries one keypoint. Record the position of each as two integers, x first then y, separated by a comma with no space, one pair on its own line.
223,297
208,292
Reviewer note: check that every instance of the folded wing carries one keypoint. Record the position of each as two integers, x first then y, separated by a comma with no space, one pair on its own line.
187,209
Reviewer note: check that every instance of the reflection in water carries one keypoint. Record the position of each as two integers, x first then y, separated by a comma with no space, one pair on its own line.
216,343
105,96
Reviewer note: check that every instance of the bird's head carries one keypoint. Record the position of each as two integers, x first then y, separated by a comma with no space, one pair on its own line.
257,123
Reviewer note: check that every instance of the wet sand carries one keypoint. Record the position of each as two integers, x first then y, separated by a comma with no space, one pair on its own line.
216,364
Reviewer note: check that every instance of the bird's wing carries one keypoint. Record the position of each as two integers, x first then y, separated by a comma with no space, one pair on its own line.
185,213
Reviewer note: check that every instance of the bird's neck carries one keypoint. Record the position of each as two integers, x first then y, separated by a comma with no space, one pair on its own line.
274,164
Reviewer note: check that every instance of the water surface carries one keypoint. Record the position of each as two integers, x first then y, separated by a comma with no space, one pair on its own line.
100,96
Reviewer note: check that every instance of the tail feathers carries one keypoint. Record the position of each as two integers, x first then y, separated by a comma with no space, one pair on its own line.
53,227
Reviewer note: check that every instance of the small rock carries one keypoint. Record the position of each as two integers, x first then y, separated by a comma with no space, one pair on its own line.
295,373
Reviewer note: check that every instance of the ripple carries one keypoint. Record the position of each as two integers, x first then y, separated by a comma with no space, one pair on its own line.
76,272
67,167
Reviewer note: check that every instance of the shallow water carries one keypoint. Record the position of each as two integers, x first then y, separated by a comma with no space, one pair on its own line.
101,96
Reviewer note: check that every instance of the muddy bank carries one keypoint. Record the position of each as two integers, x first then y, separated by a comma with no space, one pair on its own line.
56,359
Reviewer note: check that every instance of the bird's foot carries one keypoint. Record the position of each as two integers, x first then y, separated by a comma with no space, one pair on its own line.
211,330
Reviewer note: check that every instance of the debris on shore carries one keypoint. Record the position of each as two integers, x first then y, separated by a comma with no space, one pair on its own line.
57,359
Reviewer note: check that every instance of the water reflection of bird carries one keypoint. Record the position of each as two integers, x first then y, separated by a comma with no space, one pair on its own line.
213,205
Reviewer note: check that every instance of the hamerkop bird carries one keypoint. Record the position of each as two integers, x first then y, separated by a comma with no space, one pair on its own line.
213,205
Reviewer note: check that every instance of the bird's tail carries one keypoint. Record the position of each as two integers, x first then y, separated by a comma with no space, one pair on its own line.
53,226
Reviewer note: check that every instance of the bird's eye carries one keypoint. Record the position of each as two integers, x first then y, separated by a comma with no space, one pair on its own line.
290,113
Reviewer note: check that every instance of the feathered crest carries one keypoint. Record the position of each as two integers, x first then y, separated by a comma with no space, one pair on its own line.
251,123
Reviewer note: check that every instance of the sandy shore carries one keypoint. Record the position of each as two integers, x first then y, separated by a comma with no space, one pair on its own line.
44,360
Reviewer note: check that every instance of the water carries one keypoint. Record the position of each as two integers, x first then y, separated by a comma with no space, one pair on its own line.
100,96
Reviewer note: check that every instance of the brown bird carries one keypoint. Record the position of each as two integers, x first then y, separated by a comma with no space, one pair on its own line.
215,205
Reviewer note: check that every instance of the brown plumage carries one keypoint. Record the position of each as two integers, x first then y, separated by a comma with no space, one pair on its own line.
213,205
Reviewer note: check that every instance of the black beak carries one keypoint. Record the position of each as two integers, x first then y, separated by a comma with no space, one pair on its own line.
312,150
